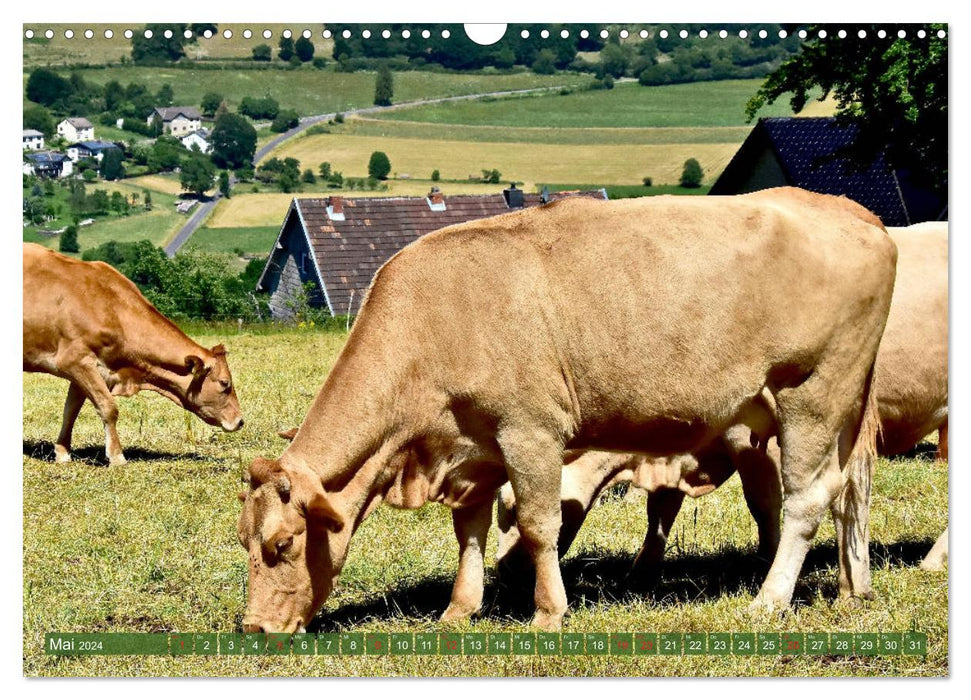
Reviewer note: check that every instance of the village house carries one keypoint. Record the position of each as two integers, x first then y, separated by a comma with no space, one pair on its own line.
338,243
48,164
177,121
76,129
89,149
811,152
33,140
197,140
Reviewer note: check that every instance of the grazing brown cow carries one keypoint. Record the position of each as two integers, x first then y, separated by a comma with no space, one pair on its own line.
911,389
89,324
484,350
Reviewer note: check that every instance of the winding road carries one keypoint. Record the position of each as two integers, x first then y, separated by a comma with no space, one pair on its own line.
203,211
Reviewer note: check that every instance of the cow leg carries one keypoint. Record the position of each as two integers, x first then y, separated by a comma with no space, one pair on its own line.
534,465
663,506
763,494
942,442
93,386
72,407
936,559
471,529
811,481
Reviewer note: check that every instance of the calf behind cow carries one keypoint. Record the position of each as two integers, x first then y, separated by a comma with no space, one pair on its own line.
484,350
89,324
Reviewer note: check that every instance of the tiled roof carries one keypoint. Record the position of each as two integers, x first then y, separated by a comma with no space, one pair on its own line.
170,113
349,252
811,151
79,122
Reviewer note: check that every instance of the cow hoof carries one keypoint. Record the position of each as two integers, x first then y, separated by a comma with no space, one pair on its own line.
118,461
764,607
548,622
61,454
456,612
936,565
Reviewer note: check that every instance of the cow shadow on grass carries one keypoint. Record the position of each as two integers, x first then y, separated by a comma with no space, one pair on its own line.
43,450
594,578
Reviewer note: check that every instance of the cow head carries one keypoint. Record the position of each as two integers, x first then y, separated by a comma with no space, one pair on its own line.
211,394
296,541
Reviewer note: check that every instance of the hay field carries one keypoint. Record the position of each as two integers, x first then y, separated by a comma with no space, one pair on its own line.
151,547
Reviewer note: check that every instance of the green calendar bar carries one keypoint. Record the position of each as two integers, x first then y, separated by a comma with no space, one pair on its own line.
618,644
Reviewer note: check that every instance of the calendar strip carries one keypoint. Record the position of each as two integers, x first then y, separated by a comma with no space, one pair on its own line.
366,644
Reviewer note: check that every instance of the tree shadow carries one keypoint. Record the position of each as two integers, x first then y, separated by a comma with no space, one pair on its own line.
43,450
593,578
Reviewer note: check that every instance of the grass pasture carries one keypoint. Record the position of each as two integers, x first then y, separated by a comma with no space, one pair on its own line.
151,547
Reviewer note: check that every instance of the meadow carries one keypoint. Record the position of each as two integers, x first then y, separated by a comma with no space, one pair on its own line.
151,547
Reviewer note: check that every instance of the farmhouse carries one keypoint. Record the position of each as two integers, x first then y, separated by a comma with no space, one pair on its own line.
76,129
338,244
89,149
810,153
33,140
198,140
177,121
49,164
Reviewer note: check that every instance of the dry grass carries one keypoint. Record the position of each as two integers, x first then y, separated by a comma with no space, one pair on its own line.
524,162
157,183
152,547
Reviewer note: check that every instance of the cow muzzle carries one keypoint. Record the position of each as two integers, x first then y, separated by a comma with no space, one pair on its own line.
233,426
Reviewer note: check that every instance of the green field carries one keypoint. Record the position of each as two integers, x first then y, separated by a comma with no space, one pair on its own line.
151,547
628,105
312,91
256,240
157,225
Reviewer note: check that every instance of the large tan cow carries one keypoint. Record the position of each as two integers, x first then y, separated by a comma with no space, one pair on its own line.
89,324
912,393
484,350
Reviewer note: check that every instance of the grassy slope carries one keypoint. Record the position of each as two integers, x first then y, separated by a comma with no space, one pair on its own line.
250,239
708,104
312,91
152,547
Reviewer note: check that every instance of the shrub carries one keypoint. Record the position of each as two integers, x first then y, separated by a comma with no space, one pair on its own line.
436,176
284,121
692,174
319,62
545,63
339,117
69,240
304,49
262,53
648,181
308,176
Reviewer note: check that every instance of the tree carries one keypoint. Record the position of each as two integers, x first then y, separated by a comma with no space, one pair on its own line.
384,86
221,111
114,95
198,174
119,202
69,240
166,154
284,121
259,107
262,52
379,166
304,49
225,188
158,48
324,171
233,142
46,87
308,176
37,117
286,48
436,176
148,200
99,202
210,103
545,63
165,96
112,167
692,174
895,89
614,60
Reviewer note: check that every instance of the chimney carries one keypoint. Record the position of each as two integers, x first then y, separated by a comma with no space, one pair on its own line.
436,200
335,208
513,196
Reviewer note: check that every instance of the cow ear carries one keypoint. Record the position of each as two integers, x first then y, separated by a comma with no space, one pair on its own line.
195,365
321,512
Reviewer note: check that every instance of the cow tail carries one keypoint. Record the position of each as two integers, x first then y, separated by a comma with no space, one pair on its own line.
855,495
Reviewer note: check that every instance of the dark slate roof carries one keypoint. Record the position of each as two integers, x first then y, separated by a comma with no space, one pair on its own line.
45,157
809,150
169,113
348,253
79,122
94,146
